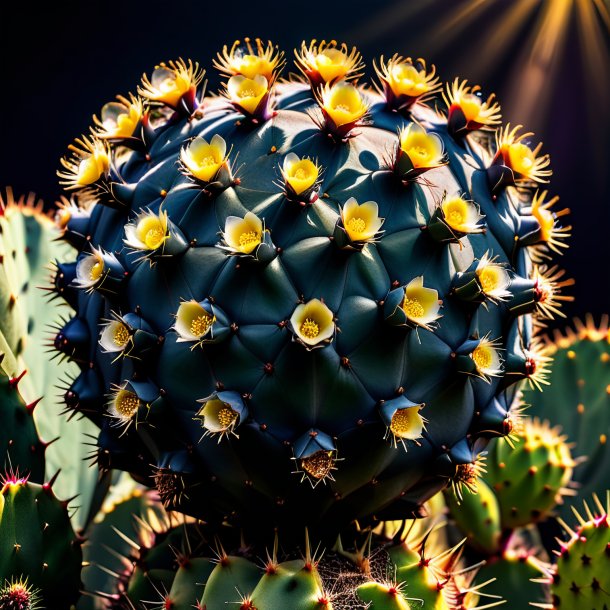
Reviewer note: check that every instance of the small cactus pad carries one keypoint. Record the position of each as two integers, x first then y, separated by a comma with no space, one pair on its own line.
37,542
578,399
529,478
581,576
302,303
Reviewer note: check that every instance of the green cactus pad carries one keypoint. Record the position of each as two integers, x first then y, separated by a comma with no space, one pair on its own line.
279,318
581,576
578,399
37,542
530,478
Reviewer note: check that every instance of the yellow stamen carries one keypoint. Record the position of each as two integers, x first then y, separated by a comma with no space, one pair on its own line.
310,328
413,308
226,416
201,324
126,403
300,173
96,271
482,357
249,237
319,464
357,225
121,335
154,238
488,278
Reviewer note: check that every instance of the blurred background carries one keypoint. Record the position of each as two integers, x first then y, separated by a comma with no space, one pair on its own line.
547,60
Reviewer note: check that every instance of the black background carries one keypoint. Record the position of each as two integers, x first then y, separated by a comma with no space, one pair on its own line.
61,63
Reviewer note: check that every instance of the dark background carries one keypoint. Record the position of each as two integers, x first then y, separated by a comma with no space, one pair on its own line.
547,61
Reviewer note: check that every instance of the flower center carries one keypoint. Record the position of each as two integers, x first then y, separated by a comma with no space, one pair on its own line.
247,93
319,464
168,84
300,173
310,328
401,423
471,106
154,238
126,404
482,357
201,324
226,416
248,238
207,161
342,107
121,335
455,217
413,308
96,271
488,279
357,225
418,151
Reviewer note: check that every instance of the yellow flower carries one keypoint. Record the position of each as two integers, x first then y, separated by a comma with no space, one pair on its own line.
423,149
361,221
169,82
493,279
90,161
149,231
243,234
123,406
479,114
221,413
518,156
461,215
343,103
203,160
550,233
407,423
486,358
404,79
193,322
420,304
299,174
313,323
250,61
119,119
328,62
247,93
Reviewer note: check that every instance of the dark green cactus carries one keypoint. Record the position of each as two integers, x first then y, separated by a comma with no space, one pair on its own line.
37,542
578,399
356,325
580,577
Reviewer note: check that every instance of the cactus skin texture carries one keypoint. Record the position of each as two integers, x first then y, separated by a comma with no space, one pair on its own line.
246,365
580,577
170,561
37,542
578,400
524,482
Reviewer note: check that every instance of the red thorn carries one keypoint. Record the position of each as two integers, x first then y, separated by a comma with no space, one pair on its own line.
14,382
48,486
33,405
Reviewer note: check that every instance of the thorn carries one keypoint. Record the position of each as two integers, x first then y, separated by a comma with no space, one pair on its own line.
14,382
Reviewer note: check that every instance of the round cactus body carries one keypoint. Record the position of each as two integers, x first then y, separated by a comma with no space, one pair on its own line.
301,303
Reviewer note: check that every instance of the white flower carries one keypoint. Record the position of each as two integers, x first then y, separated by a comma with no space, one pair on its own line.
90,270
420,304
312,323
123,406
115,336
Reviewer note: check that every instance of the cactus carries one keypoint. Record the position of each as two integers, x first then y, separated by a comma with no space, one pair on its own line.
17,594
580,576
28,245
274,289
169,562
578,399
37,543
